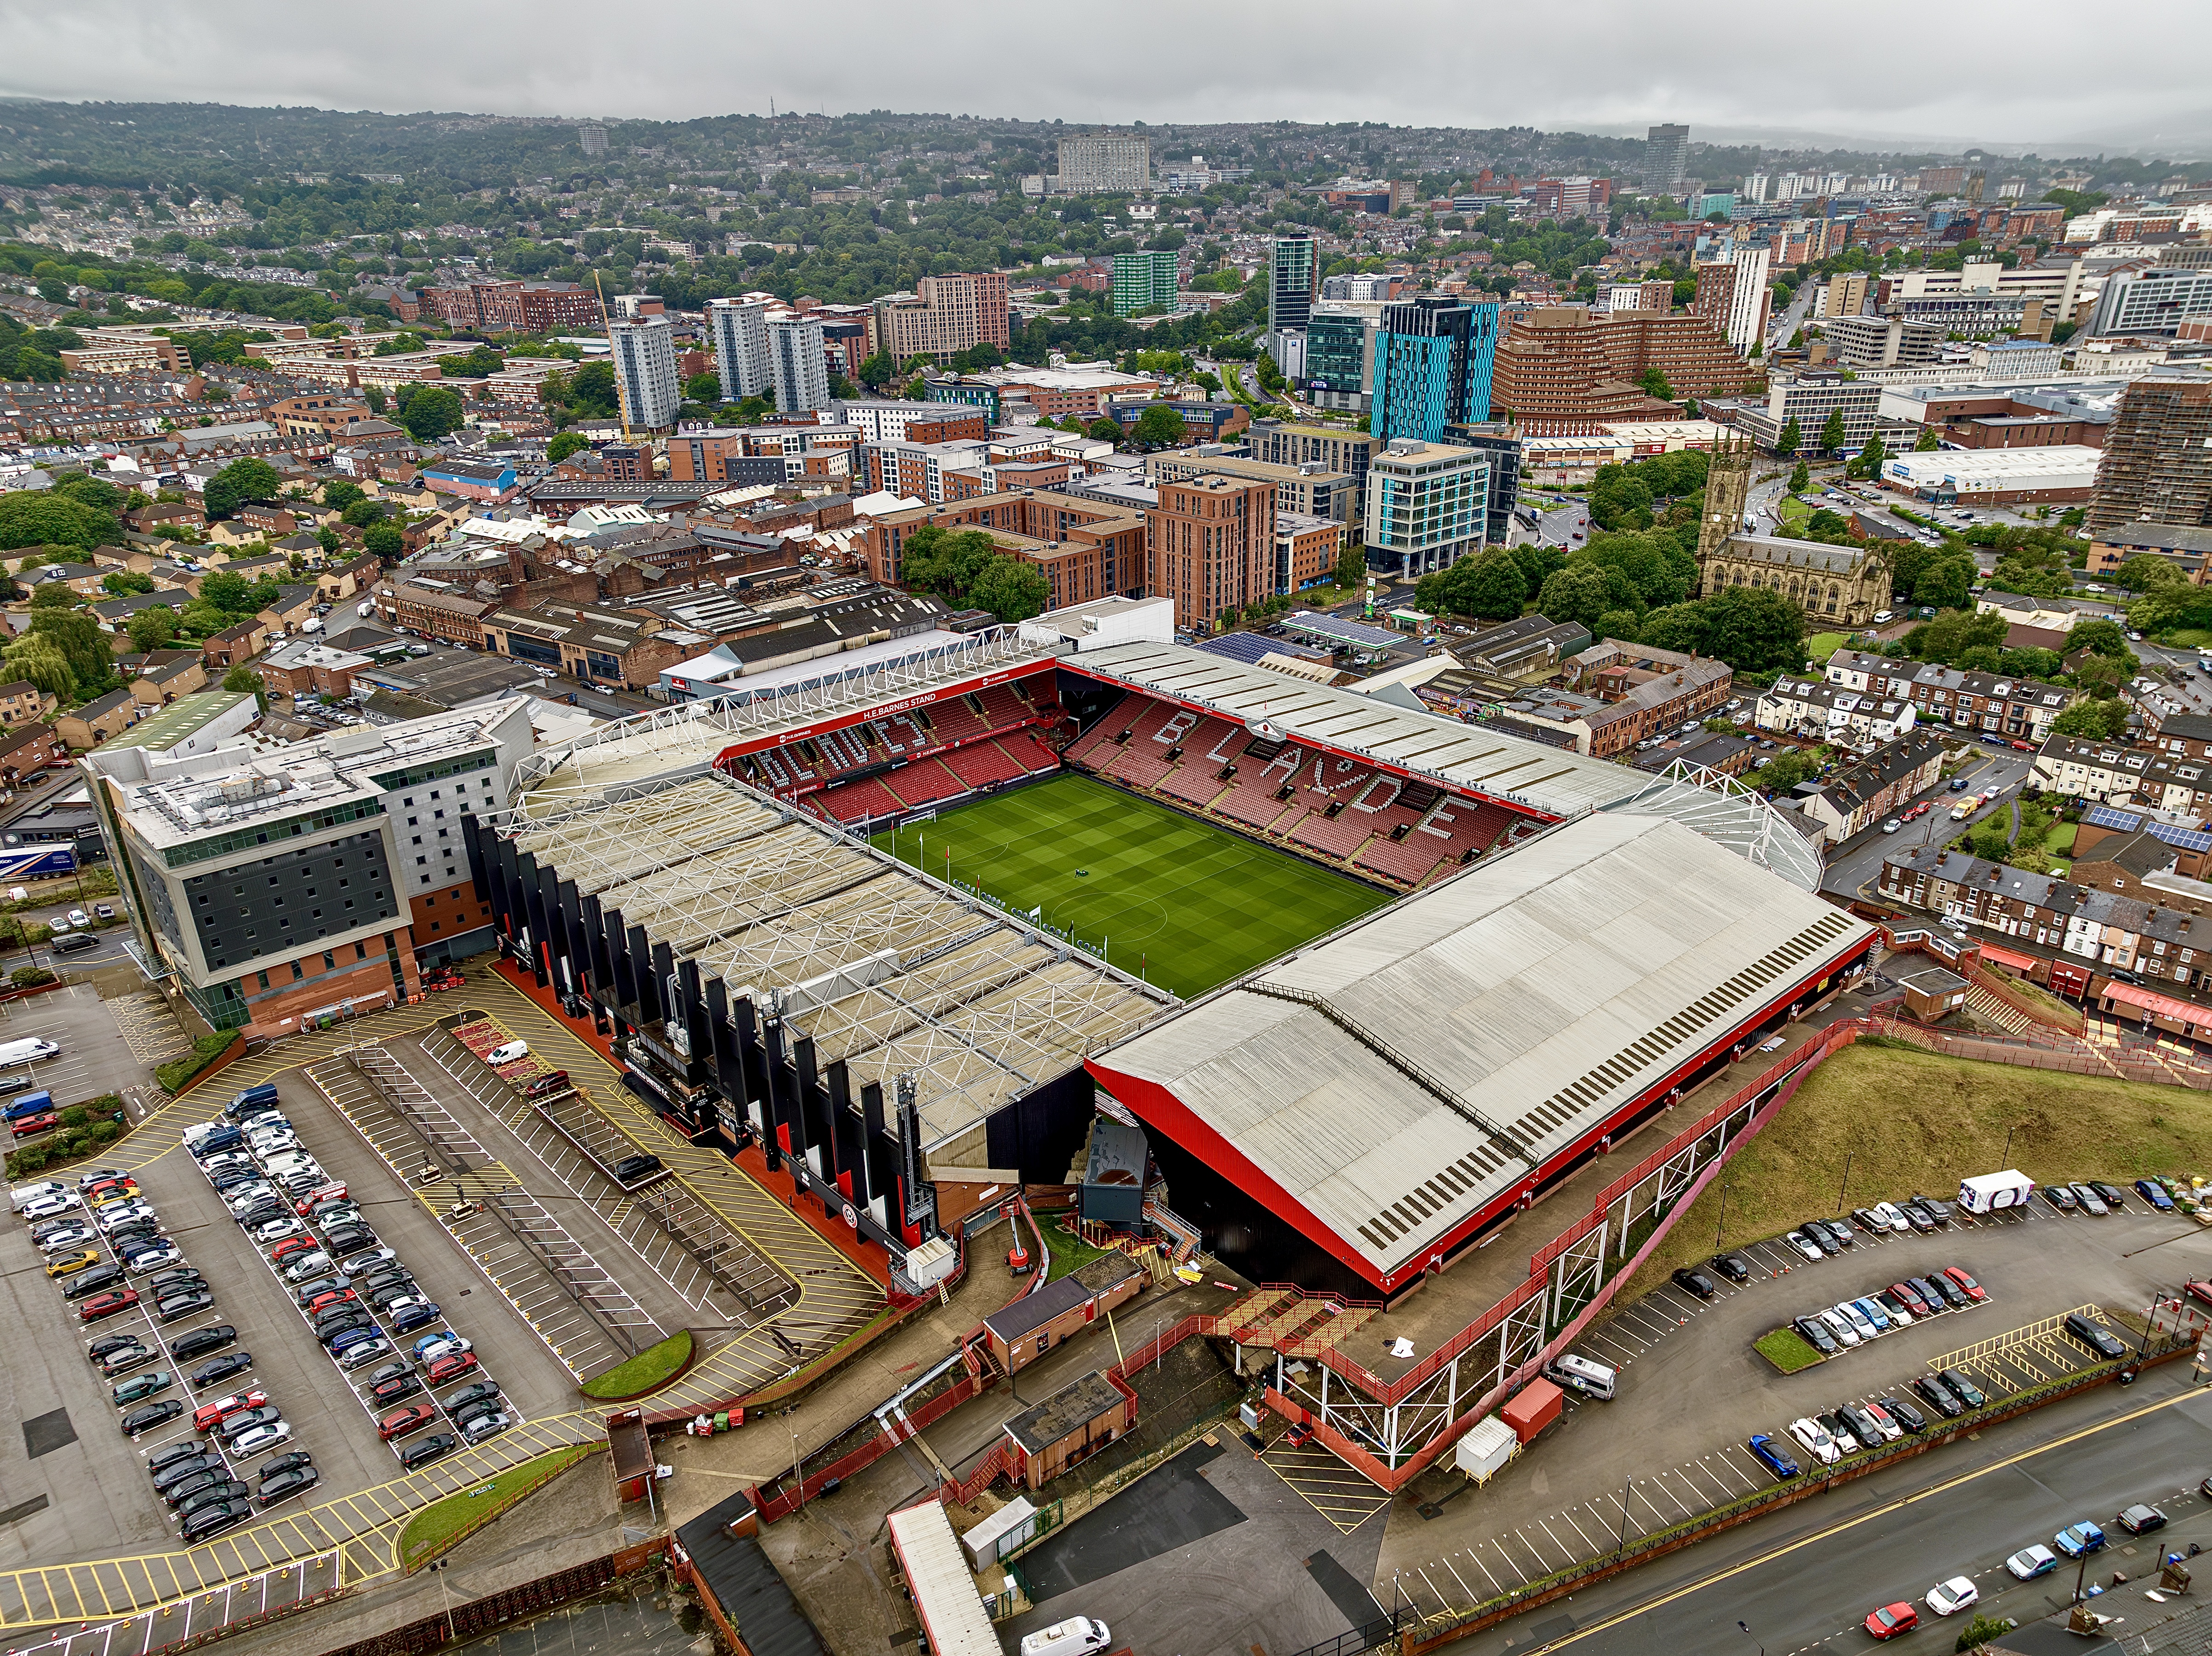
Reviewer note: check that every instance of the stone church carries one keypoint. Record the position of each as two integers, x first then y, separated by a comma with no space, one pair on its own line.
1842,585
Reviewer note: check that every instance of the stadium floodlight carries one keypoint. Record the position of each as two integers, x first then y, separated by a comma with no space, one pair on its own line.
1732,816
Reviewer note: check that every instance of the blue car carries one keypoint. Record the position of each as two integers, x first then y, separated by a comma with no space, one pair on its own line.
1762,1450
352,1338
1872,1311
2155,1193
2077,1538
408,1315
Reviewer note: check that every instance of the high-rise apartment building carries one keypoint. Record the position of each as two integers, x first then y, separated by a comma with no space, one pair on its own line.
593,138
737,327
2157,466
1144,280
645,370
797,364
1733,296
2157,301
1105,163
1210,545
1666,158
1427,505
946,315
1293,279
282,886
1433,358
1845,293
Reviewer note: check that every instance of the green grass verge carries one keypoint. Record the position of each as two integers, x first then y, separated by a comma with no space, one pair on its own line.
647,1371
443,1522
177,1074
1821,646
1787,1349
2186,638
1070,1253
1184,904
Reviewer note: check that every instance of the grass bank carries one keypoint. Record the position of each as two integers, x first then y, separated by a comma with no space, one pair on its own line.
1912,1121
648,1371
444,1524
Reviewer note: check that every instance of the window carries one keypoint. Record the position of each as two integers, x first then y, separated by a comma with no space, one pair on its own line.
361,951
263,978
297,974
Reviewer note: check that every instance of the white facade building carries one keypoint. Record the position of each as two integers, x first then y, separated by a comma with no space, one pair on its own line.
800,373
1105,163
1427,505
739,329
645,367
1747,298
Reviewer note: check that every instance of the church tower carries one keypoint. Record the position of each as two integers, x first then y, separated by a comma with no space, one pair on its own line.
1728,487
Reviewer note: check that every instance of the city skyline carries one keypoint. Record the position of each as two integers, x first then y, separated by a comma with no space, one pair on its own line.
1623,75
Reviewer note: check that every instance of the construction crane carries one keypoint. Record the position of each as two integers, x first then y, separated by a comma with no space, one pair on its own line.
621,401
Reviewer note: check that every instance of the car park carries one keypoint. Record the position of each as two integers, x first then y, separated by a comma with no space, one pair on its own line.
141,1386
2031,1562
1949,1597
2141,1519
1728,1265
2078,1539
1891,1620
424,1450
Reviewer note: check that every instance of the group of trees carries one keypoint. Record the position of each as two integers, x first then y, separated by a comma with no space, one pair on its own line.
1667,489
966,569
78,511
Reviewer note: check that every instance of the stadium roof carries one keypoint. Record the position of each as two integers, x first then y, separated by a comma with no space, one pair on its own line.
1556,782
670,743
1380,1088
883,967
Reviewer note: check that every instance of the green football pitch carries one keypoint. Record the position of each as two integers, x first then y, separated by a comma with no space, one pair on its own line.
1184,904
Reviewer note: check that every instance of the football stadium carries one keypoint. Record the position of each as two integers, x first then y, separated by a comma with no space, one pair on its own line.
945,912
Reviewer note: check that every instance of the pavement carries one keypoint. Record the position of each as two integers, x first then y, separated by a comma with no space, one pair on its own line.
1808,1575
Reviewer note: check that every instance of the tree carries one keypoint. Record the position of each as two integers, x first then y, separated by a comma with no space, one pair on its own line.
1495,588
1785,443
878,370
120,581
363,512
1755,630
1928,442
2099,721
1350,570
339,493
231,593
78,636
151,629
1104,430
1801,476
2102,638
386,540
563,444
95,492
329,539
1159,426
1946,584
1010,589
1655,385
40,661
1583,593
54,595
1869,463
1832,433
1779,775
243,680
704,388
249,478
42,518
433,412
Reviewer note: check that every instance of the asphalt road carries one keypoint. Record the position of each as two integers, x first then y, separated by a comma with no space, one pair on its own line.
1858,861
1810,1574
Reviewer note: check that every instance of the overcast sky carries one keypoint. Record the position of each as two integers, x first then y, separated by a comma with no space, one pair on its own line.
1999,72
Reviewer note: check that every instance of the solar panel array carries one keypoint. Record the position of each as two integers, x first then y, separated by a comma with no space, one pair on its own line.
1249,647
2127,822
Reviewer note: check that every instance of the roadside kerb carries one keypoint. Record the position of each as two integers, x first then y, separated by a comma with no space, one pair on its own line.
1558,1584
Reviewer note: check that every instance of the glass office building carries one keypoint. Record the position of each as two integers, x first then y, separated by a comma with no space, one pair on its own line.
1337,360
1291,296
1432,366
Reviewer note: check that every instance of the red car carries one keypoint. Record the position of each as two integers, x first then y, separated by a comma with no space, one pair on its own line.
1920,810
1915,1302
452,1367
400,1422
1893,1619
210,1416
290,1246
24,1126
107,1187
323,1302
2202,1291
115,1299
1973,1289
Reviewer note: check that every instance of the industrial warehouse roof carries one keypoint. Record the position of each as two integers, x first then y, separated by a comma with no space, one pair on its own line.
883,967
1396,1078
1545,779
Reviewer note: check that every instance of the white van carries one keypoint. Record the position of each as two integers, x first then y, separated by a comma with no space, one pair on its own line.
23,1195
1077,1636
26,1052
1592,1379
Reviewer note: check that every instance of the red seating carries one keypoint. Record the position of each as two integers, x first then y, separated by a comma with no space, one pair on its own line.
1339,838
980,762
1027,751
1401,859
1196,780
851,802
923,782
1001,705
953,720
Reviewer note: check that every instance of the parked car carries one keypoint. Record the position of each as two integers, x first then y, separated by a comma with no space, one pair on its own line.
512,1052
477,1427
107,1304
633,1169
2112,1195
123,1358
408,1315
1805,1245
1962,1388
1816,1441
360,1356
214,1520
1846,1440
189,1303
1728,1265
424,1450
2077,1538
177,1474
553,1080
283,1485
2061,1196
482,1391
1815,1333
363,1264
153,1415
1938,1396
139,1387
1973,1289
1949,1597
257,1439
1891,1620
2031,1562
392,1390
2091,1202
201,1341
451,1367
2141,1519
1904,1415
210,1416
349,1239
1769,1455
2155,1193
1694,1283
216,1370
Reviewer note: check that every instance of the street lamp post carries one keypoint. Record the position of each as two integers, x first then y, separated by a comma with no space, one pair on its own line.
1753,1637
1721,1229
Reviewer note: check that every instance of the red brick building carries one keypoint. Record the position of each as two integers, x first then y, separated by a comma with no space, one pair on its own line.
1210,545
